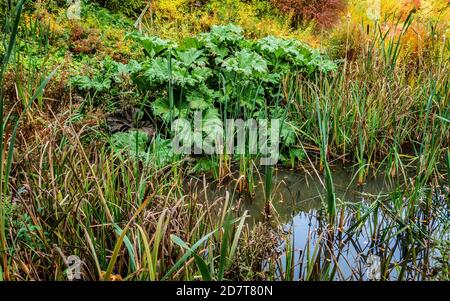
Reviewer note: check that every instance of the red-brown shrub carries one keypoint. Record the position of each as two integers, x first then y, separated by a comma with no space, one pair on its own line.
324,12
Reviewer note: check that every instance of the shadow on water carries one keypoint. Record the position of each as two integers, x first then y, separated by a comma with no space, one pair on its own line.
378,235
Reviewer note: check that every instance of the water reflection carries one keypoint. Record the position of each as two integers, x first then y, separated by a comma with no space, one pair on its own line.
368,228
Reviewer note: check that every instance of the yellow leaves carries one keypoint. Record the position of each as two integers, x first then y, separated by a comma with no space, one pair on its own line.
392,6
426,10
432,8
437,11
171,9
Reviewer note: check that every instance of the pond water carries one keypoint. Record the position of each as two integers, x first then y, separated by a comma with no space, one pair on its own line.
371,238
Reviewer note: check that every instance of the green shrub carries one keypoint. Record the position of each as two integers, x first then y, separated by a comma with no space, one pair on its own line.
223,75
129,7
3,11
221,67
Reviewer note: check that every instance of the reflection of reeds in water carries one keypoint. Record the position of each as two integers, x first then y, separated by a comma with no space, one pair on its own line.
268,185
408,248
331,196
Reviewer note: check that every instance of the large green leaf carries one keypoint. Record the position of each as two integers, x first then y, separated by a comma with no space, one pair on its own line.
247,63
152,45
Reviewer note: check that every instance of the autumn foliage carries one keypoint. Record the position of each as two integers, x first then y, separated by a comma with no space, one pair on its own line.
324,12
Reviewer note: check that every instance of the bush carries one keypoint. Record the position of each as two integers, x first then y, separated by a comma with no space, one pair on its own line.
2,13
222,66
129,7
324,12
222,74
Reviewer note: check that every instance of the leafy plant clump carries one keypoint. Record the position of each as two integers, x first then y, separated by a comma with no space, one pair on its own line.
130,7
223,75
221,70
220,73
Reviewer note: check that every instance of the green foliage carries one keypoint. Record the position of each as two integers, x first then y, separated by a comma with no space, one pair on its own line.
205,165
222,71
153,46
213,64
133,141
109,72
283,54
108,83
3,9
27,232
129,7
161,152
135,144
98,83
247,64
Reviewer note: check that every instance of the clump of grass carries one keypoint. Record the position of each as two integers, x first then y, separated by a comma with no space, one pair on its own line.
119,222
7,147
377,110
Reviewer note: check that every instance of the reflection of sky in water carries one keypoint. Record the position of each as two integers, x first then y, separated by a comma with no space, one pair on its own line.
298,204
294,192
352,259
